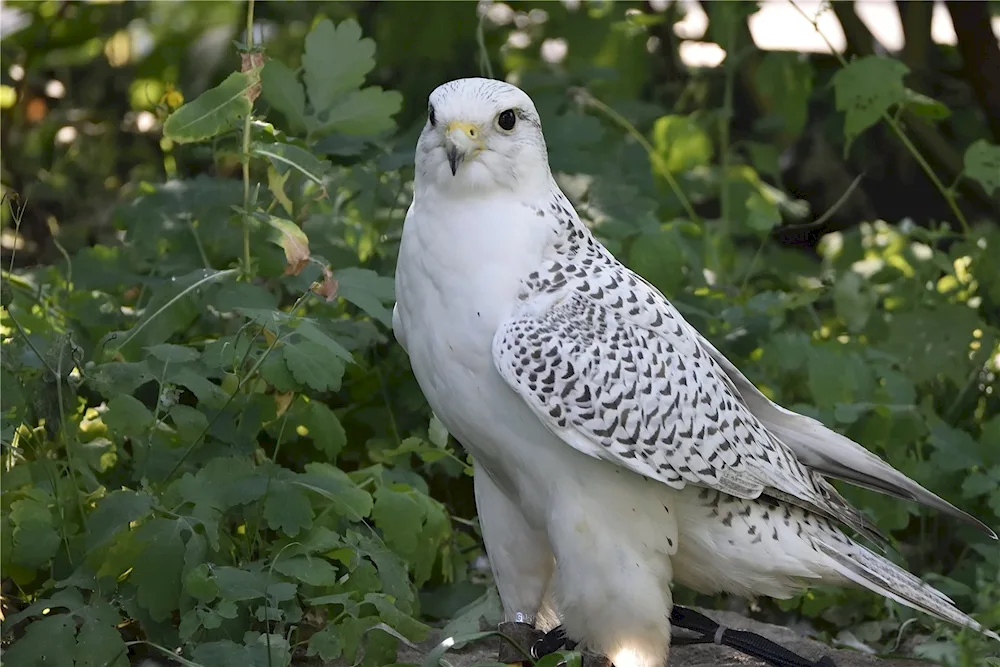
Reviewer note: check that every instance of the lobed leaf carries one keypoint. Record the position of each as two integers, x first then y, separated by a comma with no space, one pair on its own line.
865,90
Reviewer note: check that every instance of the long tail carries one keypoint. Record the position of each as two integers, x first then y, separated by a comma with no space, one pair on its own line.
867,569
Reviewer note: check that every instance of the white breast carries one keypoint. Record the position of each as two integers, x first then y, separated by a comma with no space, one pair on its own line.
457,278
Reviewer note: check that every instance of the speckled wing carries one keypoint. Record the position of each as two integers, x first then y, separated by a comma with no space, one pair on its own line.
612,369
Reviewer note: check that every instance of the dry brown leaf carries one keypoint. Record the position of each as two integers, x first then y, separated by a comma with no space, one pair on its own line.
250,63
293,241
282,401
327,288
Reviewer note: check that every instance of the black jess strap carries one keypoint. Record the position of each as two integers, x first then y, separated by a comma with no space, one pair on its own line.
743,641
708,632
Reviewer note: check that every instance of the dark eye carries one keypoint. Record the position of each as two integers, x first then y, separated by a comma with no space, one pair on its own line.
506,120
430,115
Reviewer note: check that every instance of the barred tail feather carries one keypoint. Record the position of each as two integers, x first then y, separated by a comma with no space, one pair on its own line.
869,570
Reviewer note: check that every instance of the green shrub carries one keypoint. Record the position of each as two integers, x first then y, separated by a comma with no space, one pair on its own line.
212,443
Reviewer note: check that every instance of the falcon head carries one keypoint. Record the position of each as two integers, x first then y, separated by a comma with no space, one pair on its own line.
481,134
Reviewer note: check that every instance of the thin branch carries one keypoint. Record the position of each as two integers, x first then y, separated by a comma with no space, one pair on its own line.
894,125
661,168
246,158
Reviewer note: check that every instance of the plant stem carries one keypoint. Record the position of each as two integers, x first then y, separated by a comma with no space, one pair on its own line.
485,66
727,113
945,192
897,130
246,159
654,157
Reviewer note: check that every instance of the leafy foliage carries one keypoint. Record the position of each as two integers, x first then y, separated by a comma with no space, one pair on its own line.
212,444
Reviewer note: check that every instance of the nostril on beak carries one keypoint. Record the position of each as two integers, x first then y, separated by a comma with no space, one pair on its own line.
472,133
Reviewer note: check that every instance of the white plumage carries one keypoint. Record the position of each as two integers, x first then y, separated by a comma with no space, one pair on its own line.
616,450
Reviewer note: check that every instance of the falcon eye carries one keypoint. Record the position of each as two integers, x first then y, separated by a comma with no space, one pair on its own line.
430,115
506,120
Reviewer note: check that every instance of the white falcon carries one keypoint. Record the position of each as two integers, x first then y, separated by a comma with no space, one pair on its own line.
615,449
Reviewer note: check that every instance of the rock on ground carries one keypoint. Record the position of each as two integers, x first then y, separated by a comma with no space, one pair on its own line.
700,655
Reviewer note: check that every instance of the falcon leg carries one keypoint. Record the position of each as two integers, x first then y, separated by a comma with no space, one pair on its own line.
612,583
520,556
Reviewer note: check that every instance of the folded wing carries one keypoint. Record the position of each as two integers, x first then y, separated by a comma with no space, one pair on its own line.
829,452
649,398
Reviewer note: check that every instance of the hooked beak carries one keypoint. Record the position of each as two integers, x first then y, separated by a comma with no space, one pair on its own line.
461,140
454,158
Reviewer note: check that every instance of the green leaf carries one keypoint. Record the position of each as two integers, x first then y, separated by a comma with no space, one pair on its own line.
487,610
681,143
289,156
268,650
215,111
940,349
994,501
310,364
828,382
13,395
226,353
174,306
369,291
232,296
287,508
865,90
114,514
223,653
954,449
437,432
762,213
408,626
391,570
400,518
853,300
157,572
982,164
237,585
282,89
100,645
69,599
327,644
319,539
47,642
335,61
117,377
571,140
360,113
765,158
311,570
174,354
325,429
276,373
35,540
925,107
352,631
276,185
190,423
311,331
277,321
784,81
200,584
981,483
127,416
334,485
222,484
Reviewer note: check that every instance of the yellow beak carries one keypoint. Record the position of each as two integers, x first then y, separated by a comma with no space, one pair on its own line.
461,140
